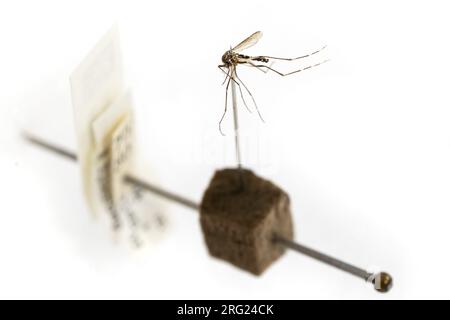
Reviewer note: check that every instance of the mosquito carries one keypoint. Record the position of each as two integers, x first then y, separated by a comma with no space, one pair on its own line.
232,58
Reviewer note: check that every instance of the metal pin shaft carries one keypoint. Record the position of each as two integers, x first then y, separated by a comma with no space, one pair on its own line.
382,281
325,258
236,125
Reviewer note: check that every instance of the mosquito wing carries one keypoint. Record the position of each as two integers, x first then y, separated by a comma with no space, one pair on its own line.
249,42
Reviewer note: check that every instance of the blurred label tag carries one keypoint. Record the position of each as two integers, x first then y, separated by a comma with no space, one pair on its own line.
104,127
107,175
121,156
95,84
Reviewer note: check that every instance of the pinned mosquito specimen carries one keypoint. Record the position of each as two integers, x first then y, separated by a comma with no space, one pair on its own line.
232,58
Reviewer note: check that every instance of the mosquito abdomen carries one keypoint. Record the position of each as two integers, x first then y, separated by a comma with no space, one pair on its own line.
261,59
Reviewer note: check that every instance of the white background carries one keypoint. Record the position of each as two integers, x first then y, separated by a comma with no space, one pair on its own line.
362,144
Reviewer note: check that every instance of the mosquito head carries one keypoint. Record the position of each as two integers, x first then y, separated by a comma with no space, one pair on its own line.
227,57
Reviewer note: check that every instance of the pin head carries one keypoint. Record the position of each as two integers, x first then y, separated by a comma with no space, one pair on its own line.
382,282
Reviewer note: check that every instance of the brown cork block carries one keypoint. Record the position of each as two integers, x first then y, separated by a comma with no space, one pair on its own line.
239,224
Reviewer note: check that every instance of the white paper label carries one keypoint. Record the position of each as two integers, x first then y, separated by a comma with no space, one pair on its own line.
104,127
95,84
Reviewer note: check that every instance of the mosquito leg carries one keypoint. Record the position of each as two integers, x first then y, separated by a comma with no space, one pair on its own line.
262,70
225,111
227,74
240,89
250,94
242,96
260,58
285,74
